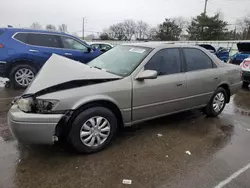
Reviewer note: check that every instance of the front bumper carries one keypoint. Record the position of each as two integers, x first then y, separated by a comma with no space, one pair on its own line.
246,76
33,128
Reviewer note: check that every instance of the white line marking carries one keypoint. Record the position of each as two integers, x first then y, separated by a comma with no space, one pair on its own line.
233,176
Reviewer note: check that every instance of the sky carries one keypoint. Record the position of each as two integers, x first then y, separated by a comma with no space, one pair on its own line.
100,14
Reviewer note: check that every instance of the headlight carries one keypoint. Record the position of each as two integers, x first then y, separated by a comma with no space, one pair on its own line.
36,105
45,106
25,104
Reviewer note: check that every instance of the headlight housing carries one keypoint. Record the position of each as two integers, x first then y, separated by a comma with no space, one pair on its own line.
36,105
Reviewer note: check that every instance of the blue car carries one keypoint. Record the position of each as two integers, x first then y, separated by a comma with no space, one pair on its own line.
220,52
243,53
24,51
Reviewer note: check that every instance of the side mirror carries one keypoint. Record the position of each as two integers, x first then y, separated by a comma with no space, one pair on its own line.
147,74
89,49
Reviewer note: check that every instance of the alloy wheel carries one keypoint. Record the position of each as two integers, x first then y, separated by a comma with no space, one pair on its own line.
218,102
24,76
95,131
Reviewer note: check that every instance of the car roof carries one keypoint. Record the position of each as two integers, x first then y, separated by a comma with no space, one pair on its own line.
12,29
160,45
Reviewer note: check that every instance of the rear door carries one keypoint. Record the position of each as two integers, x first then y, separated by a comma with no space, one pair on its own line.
41,46
202,77
166,93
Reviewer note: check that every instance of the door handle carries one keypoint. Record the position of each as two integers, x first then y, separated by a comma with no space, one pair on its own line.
34,51
180,84
67,54
216,78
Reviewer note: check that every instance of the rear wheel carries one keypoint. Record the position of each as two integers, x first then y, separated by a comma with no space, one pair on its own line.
22,75
245,85
217,103
93,130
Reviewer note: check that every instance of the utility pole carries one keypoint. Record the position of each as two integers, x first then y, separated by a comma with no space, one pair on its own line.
83,28
205,8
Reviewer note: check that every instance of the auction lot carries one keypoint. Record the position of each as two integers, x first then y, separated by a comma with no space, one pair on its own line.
152,154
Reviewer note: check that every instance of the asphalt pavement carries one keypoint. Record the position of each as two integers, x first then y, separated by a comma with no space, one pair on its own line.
186,150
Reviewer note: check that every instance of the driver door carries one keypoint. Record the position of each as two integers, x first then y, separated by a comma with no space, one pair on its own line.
75,50
163,95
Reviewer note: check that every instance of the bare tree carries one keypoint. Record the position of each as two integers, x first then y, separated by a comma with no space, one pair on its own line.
152,35
142,30
129,28
117,31
244,27
36,25
50,27
63,28
182,23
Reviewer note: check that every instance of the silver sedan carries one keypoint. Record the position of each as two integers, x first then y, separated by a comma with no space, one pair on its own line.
128,84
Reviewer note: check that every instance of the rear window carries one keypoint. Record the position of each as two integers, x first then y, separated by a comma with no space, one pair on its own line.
22,37
45,40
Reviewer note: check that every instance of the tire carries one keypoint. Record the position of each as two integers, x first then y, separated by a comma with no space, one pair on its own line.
245,84
82,124
17,70
213,109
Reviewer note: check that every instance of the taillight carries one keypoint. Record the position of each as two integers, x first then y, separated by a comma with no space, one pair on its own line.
1,45
246,64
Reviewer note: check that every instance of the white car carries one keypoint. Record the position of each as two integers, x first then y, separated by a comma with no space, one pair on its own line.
104,47
245,66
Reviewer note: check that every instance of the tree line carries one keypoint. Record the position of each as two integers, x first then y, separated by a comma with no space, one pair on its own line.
50,27
201,27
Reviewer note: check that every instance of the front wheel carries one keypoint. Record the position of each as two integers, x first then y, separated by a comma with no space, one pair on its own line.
22,75
217,103
93,130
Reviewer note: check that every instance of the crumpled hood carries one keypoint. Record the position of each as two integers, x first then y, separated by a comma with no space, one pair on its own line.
59,70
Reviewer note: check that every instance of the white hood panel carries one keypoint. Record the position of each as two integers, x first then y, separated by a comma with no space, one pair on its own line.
59,70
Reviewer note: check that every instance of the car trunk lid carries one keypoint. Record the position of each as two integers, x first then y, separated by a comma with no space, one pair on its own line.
244,47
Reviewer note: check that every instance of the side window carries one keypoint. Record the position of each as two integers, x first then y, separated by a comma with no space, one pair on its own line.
105,47
196,59
22,37
1,32
45,40
165,62
70,43
97,46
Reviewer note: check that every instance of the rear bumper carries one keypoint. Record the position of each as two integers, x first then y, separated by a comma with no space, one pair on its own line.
33,128
246,76
3,69
235,88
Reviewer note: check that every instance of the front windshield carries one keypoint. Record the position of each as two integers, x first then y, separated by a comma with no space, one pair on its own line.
121,60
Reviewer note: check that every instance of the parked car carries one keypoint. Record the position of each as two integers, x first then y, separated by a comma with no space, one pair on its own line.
124,86
221,52
104,47
23,52
245,65
243,53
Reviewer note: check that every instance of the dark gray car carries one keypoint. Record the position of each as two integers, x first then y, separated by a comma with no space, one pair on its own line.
127,85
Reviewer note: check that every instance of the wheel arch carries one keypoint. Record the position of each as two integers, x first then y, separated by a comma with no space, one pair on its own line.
64,126
227,89
15,62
